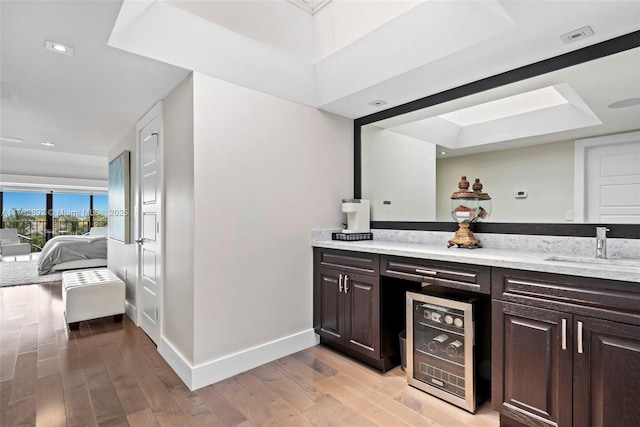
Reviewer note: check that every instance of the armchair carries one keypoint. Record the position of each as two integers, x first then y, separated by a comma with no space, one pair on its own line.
10,244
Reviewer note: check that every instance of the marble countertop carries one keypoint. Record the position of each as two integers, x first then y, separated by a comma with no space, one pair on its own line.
507,258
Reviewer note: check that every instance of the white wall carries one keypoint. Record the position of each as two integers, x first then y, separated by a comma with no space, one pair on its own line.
399,169
178,185
544,171
266,172
122,258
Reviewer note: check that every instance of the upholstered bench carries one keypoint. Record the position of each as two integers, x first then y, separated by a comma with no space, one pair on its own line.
90,294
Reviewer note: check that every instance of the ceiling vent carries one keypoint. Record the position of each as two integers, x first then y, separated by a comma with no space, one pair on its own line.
311,6
575,35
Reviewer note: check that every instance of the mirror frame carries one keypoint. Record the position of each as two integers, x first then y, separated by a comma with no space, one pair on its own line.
589,53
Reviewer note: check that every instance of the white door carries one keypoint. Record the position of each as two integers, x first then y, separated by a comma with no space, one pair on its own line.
612,179
149,239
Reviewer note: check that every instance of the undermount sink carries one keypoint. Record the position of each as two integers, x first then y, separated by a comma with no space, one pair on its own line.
627,262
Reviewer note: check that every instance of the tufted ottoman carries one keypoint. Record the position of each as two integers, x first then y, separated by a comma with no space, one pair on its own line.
89,294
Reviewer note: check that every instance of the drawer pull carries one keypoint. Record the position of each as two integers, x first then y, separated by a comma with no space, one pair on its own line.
564,334
340,284
580,349
426,272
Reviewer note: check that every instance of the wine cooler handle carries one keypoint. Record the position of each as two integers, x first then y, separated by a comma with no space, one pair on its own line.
580,349
564,334
340,284
346,281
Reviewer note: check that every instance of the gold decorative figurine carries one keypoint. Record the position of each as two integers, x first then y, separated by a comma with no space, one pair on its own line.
468,207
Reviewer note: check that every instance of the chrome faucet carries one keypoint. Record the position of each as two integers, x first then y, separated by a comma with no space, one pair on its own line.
601,242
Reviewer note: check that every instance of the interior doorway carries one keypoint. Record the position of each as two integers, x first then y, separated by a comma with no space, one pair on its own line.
149,140
607,179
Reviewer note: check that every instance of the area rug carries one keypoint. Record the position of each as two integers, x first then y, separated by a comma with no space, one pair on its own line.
24,273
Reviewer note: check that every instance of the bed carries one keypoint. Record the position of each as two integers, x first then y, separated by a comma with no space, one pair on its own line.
74,252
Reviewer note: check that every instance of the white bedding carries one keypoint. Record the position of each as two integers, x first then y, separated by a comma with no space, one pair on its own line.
80,263
68,252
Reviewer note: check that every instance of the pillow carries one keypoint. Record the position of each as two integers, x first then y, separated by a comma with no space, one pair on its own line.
98,231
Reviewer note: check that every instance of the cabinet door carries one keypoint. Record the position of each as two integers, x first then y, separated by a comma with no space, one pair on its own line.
606,374
362,296
535,388
329,319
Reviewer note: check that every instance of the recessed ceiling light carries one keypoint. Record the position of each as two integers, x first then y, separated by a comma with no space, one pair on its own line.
10,139
48,144
443,152
623,103
378,102
576,35
58,48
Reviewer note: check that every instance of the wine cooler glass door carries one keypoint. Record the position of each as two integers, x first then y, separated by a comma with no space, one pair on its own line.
440,348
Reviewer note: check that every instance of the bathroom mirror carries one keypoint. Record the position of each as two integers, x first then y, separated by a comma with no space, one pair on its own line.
409,159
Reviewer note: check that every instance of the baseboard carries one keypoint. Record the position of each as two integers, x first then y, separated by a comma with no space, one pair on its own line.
131,311
176,360
225,367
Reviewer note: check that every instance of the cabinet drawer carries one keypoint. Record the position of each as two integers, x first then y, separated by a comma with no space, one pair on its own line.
608,299
473,278
347,261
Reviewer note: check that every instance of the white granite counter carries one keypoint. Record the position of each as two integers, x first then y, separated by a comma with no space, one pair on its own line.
527,253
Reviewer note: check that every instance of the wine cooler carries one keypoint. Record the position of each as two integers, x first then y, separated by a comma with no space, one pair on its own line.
440,348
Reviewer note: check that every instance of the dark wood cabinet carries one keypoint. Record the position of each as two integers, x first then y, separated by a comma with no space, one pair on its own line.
575,362
359,299
329,305
348,310
565,350
606,372
535,380
451,275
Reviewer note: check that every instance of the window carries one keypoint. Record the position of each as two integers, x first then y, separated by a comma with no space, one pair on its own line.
100,211
71,214
25,212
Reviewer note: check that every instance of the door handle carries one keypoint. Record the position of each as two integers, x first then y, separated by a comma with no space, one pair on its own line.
580,348
346,281
340,284
139,241
564,334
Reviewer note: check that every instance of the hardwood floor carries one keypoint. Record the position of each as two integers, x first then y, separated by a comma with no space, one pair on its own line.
110,374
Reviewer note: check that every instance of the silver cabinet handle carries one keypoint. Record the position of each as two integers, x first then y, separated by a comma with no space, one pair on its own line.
564,334
580,349
427,272
340,284
346,281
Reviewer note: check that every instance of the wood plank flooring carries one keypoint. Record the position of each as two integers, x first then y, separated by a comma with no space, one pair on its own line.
110,374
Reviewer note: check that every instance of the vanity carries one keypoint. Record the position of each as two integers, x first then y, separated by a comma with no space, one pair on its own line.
561,336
